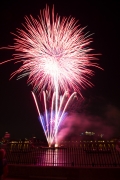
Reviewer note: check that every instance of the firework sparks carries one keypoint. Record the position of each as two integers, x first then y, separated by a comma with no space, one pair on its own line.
53,52
56,57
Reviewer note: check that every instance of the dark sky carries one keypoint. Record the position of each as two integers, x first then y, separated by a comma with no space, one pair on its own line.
18,113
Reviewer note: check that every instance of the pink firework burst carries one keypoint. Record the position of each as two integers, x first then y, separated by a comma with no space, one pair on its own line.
54,52
56,57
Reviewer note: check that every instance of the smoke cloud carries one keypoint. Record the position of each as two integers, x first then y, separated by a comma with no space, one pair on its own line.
106,122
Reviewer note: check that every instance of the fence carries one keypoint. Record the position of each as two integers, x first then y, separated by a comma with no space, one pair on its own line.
80,155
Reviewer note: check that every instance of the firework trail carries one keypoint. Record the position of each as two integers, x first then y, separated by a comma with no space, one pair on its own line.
55,55
48,121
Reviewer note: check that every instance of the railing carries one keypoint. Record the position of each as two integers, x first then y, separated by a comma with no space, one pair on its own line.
82,155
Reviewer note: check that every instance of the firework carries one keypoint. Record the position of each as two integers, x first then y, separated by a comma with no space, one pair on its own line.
51,120
53,52
56,57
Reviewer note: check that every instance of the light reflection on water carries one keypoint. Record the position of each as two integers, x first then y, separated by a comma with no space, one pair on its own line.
53,157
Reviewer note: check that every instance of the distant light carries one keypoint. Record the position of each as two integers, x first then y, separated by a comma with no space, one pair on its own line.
56,145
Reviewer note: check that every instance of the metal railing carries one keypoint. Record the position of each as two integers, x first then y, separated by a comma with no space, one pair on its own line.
82,155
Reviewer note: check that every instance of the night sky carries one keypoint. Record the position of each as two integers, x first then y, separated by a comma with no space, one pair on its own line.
101,104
